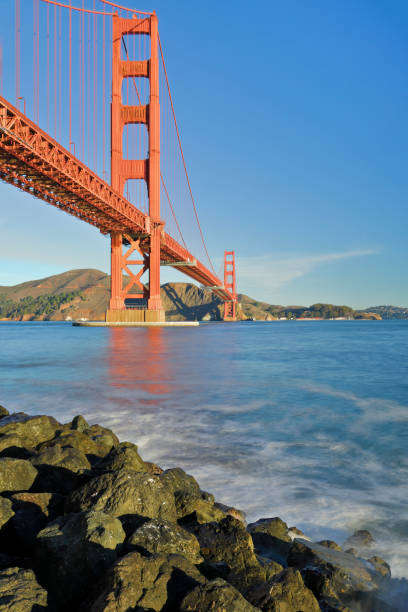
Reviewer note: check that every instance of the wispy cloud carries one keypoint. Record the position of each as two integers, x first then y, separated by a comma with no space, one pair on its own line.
279,271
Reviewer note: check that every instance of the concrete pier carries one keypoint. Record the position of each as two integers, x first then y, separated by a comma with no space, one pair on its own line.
135,323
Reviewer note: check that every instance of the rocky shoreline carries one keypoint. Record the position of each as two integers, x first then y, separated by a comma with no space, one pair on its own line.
86,525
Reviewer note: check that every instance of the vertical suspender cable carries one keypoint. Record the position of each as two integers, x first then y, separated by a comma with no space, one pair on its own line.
95,83
34,64
38,62
81,126
70,75
17,7
48,68
55,72
59,73
103,100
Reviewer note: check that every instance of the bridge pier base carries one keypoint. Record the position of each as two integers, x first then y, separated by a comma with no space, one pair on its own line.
134,316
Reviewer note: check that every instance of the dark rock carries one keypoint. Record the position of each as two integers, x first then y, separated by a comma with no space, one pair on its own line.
3,412
271,567
285,592
330,544
29,430
79,423
122,457
153,583
294,532
60,468
73,552
103,437
6,511
12,446
153,468
360,539
176,479
193,509
7,561
120,493
333,576
271,539
228,549
216,595
32,512
20,591
158,536
92,447
380,566
16,474
192,504
230,511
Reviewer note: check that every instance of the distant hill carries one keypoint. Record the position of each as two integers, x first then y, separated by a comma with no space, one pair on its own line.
389,312
85,294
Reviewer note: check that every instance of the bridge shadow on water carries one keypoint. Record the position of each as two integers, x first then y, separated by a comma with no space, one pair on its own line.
140,359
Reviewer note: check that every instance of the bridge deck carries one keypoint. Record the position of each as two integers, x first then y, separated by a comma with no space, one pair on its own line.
34,162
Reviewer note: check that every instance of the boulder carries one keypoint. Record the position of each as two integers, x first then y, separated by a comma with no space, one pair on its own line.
333,576
330,544
74,551
16,474
121,493
229,553
271,538
13,446
216,595
32,511
361,538
192,504
29,430
158,536
103,437
3,412
20,591
79,423
231,511
177,479
380,566
60,468
6,511
193,509
145,583
153,468
91,446
285,592
122,457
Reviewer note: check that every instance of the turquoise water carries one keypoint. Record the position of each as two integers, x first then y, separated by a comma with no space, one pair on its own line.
303,420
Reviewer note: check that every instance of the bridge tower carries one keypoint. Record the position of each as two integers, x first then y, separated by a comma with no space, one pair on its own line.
230,313
146,169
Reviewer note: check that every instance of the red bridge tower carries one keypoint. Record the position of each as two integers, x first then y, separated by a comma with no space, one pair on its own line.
229,284
147,169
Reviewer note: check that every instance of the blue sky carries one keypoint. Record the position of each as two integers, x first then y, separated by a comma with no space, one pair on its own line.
293,118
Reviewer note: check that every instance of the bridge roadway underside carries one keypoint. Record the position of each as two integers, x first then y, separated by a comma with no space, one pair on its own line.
35,163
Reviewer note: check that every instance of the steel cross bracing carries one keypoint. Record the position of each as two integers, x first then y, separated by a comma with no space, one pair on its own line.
35,163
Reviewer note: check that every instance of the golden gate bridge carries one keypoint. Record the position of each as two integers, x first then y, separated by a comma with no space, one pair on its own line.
88,125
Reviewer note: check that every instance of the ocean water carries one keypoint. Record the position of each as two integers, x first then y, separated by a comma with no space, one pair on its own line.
303,420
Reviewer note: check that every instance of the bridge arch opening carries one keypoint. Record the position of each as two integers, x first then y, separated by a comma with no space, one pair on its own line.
135,91
135,141
135,47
